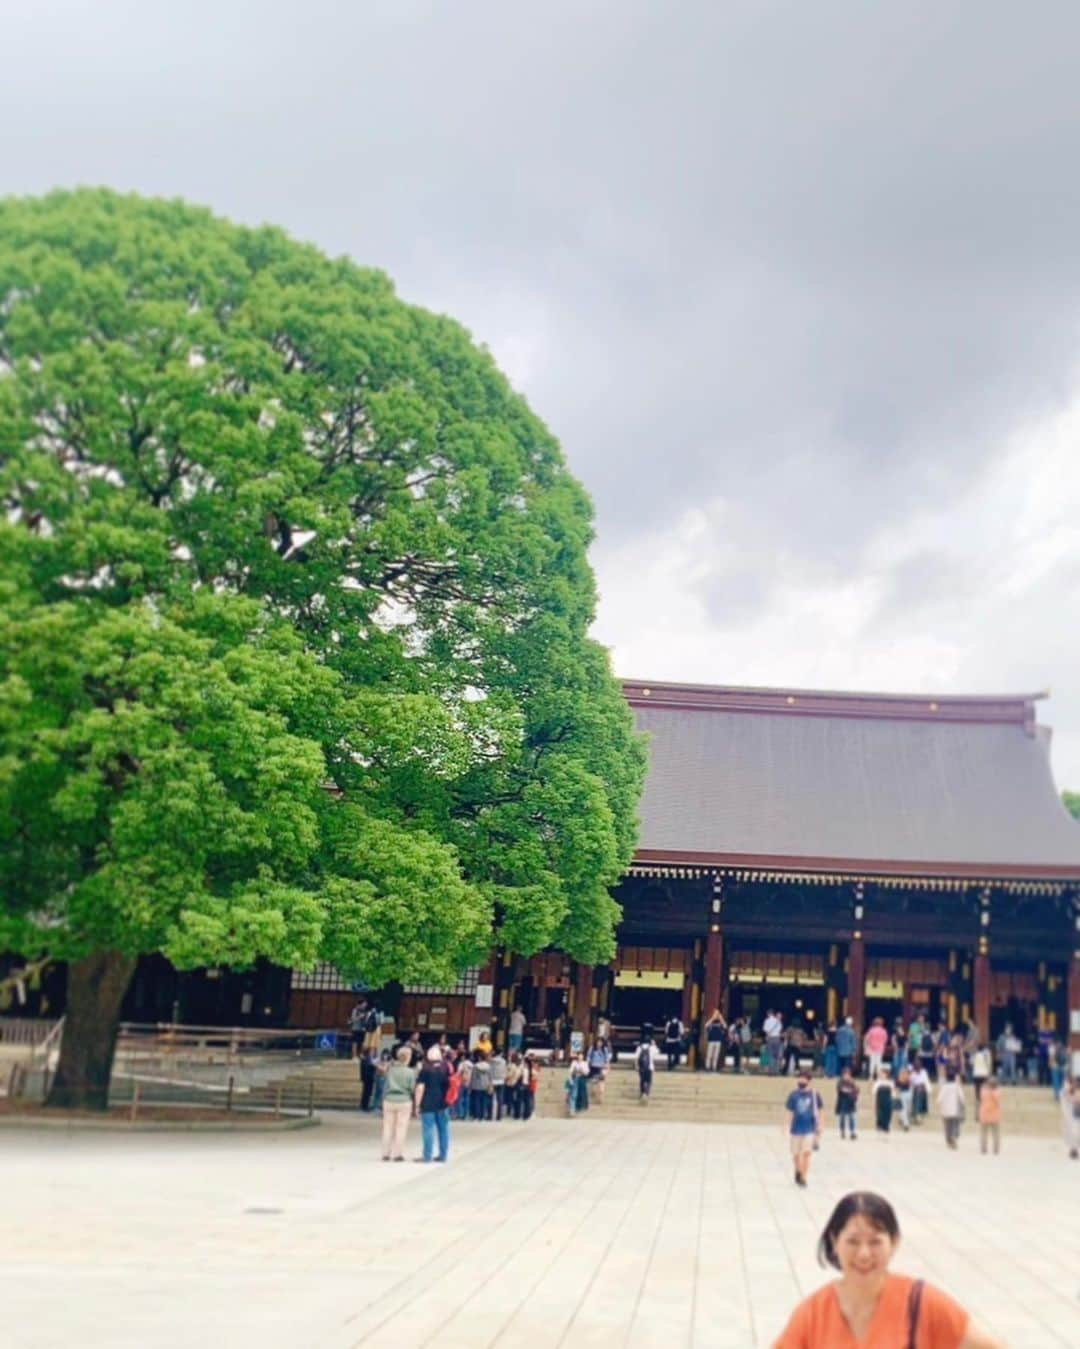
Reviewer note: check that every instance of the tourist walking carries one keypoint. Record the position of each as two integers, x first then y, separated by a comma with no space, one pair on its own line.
1008,1047
356,1027
739,1043
831,1065
847,1104
480,1088
950,1099
1059,1064
794,1043
373,1020
920,1092
577,1091
498,1084
874,1042
645,1059
382,1066
531,1085
988,1109
598,1060
773,1030
463,1105
429,1095
673,1042
846,1044
904,1096
899,1046
868,1305
367,1079
515,1075
883,1101
517,1029
397,1106
805,1108
982,1065
716,1034
1069,1100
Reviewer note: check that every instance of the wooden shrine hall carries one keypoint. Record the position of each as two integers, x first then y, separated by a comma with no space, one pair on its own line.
833,854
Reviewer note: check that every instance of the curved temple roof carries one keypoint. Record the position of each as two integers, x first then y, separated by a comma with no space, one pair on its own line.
885,783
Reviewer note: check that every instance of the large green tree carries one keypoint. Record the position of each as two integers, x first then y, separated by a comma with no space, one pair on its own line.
1072,803
293,640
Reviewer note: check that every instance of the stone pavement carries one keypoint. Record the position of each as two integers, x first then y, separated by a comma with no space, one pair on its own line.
555,1232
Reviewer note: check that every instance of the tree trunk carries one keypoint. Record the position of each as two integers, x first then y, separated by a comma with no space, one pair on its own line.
95,990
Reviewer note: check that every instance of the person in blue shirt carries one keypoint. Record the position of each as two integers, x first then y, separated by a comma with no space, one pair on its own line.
845,1046
805,1108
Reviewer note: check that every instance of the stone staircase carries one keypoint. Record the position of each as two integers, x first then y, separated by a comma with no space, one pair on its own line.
683,1095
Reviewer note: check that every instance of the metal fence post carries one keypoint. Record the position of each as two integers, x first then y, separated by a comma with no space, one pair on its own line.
311,1099
228,1098
136,1093
277,1101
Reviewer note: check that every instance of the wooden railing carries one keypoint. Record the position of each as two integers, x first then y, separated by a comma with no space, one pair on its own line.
28,1032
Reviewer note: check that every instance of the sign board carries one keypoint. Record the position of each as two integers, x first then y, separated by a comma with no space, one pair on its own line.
670,979
327,1043
1074,1022
484,994
577,1042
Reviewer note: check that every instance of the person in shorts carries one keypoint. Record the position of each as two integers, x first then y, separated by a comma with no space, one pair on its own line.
805,1108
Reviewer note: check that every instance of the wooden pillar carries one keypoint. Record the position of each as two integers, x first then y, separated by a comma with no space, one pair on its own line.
834,984
714,966
855,1005
981,998
959,997
582,998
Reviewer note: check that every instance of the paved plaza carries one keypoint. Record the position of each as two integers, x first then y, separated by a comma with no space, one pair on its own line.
557,1232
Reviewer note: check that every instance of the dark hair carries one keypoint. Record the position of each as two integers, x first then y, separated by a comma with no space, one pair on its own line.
859,1204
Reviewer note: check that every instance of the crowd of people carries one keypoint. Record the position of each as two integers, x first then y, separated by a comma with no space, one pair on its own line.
440,1085
781,1048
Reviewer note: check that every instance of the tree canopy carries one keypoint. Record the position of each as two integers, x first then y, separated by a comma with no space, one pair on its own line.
1072,803
294,603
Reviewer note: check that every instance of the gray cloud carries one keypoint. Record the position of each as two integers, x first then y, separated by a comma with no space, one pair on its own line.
816,261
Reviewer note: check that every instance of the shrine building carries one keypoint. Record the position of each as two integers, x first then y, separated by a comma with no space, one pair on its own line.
829,854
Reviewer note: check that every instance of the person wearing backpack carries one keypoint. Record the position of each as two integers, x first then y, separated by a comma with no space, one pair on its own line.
645,1057
673,1042
372,1025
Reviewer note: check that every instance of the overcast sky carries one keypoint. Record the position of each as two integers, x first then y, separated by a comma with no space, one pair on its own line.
798,286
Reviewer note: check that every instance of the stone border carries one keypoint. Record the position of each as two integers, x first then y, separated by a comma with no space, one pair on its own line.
76,1124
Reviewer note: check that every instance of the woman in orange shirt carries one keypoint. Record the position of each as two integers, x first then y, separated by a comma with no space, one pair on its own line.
867,1307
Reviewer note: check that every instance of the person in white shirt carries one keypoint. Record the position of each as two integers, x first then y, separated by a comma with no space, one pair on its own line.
517,1029
773,1028
982,1066
950,1099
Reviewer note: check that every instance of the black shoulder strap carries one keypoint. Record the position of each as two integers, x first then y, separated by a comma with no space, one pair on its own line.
914,1302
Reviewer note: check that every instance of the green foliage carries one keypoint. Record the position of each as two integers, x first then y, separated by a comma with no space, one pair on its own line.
1072,803
267,530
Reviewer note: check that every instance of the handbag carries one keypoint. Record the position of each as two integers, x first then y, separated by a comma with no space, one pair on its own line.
914,1302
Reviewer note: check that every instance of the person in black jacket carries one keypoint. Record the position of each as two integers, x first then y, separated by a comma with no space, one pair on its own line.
367,1079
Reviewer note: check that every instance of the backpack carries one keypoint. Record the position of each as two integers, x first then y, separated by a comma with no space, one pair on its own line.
371,1021
453,1088
674,1030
